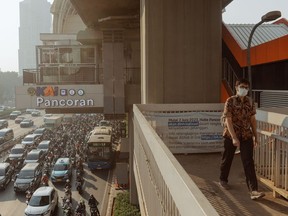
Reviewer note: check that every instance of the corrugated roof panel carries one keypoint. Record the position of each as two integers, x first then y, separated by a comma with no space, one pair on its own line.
263,33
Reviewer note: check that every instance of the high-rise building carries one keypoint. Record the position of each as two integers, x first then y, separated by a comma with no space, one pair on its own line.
35,18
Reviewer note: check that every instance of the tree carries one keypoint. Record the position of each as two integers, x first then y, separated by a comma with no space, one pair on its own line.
8,82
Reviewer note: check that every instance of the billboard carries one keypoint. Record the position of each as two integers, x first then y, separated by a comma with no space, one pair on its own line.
59,96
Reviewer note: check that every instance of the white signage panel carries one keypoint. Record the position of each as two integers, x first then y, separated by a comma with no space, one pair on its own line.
189,132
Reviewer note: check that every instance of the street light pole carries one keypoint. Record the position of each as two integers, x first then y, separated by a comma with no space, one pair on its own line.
270,16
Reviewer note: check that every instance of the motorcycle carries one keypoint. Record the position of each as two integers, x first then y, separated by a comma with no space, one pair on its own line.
47,168
73,162
80,211
94,211
79,170
67,191
67,196
67,211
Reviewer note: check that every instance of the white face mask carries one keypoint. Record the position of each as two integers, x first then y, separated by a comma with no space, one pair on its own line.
242,92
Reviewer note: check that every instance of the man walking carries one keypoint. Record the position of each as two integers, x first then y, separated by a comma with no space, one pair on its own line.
239,131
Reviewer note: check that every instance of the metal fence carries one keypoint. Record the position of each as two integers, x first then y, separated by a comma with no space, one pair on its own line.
271,155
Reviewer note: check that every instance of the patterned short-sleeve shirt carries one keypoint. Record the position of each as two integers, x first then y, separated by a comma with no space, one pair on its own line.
241,113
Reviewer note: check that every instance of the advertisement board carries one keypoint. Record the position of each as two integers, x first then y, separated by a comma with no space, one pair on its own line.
189,132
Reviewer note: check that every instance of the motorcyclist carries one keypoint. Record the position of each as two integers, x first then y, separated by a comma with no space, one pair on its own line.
14,164
79,165
49,156
92,202
67,204
67,184
45,180
81,208
67,189
28,196
78,183
79,178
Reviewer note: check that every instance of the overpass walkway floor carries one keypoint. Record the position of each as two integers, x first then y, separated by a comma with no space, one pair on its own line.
204,171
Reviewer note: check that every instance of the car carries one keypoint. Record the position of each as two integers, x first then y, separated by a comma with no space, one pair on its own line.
36,113
29,111
17,153
19,119
34,156
3,123
6,135
30,140
44,145
48,115
2,108
29,177
62,170
105,123
5,175
44,201
15,114
26,123
39,131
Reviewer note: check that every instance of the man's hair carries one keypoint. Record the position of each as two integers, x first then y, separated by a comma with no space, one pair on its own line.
242,81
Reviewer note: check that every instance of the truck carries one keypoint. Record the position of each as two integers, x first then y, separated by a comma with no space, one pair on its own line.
68,118
53,121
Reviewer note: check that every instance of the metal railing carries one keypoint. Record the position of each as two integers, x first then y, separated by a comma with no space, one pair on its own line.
271,155
72,75
228,74
159,176
270,98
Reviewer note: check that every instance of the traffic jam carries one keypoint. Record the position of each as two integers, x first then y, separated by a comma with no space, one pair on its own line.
51,158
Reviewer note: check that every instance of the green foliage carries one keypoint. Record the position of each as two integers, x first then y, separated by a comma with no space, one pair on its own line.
122,206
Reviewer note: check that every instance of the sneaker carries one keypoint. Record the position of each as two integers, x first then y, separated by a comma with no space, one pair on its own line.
237,151
256,195
224,185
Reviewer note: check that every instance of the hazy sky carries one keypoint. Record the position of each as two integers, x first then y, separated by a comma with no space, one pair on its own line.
9,42
239,11
251,11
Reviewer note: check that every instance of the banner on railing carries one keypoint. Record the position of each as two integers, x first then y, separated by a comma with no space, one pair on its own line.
189,132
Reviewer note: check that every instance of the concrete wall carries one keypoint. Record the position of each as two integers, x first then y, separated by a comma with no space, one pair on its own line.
181,51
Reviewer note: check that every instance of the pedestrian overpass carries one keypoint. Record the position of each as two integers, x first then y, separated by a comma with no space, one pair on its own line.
166,183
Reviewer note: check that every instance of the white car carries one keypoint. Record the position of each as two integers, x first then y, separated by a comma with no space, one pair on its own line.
47,116
44,201
30,140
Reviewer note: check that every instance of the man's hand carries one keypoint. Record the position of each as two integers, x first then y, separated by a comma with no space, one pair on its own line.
255,142
236,142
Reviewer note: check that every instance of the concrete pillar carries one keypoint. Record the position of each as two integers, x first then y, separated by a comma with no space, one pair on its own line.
113,69
181,51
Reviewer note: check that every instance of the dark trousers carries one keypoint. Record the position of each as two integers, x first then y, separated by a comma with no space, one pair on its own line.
246,149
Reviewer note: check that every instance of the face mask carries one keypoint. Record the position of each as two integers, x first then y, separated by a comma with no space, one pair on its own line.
242,92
